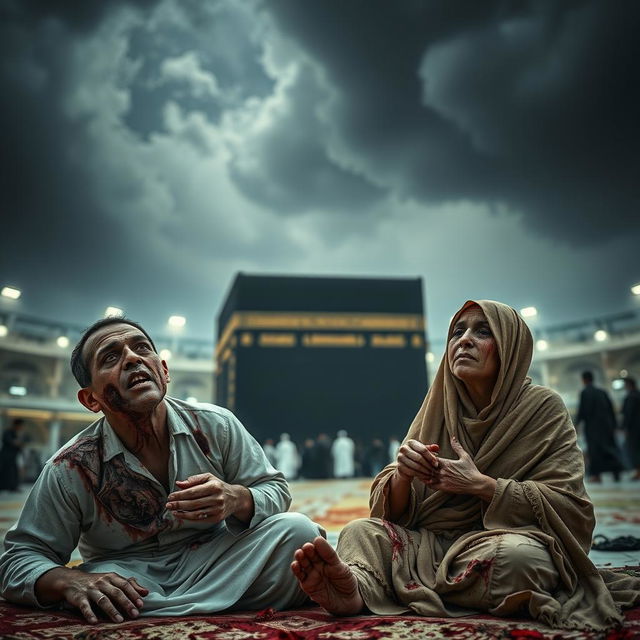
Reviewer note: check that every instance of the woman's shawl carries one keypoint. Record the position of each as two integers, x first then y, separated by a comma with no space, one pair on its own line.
525,440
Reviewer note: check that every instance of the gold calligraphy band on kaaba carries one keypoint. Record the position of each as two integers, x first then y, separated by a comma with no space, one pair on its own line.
309,321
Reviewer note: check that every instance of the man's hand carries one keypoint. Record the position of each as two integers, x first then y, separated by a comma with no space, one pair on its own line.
462,476
116,596
205,497
417,460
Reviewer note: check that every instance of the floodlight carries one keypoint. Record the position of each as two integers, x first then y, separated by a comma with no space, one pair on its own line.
165,354
636,289
11,292
4,330
600,335
542,345
177,322
430,357
113,312
18,391
528,312
62,342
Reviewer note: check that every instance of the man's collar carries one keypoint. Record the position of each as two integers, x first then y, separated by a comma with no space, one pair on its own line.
175,422
114,446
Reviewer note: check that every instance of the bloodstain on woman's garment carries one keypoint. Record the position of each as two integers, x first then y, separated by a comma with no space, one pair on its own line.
483,567
121,494
397,545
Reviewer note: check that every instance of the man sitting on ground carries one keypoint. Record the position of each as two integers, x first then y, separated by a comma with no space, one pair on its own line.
174,506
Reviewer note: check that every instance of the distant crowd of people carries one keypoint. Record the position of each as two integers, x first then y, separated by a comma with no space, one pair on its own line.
323,458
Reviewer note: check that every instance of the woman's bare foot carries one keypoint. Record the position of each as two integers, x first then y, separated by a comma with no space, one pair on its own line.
326,579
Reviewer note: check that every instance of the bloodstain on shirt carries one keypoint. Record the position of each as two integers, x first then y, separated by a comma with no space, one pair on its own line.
199,436
121,494
410,586
202,442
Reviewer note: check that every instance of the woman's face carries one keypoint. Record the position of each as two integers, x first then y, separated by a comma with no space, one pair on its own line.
472,350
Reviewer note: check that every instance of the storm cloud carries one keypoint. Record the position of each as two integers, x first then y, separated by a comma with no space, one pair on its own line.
152,149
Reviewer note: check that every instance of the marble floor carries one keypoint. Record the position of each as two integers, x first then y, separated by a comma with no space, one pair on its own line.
333,503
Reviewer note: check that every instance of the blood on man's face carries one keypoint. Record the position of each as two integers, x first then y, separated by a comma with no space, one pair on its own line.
127,375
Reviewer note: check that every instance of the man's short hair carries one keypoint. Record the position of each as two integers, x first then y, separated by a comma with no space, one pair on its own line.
587,376
79,368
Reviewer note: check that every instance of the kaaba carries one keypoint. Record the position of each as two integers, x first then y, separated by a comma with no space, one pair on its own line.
310,355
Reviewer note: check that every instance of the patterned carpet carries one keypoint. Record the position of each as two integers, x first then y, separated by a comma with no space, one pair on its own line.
332,503
18,623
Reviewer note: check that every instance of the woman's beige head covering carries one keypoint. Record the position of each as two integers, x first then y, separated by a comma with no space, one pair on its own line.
448,399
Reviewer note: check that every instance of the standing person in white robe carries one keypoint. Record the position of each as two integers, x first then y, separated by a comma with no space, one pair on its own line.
394,447
343,450
270,451
174,506
287,457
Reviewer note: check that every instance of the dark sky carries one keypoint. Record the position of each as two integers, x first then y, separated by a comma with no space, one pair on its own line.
150,150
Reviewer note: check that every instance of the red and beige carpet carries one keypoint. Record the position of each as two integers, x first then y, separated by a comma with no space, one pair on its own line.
17,623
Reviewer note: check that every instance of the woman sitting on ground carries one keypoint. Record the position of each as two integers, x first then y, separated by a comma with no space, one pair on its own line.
485,507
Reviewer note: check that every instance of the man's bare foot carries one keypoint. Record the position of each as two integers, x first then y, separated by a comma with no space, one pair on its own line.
326,579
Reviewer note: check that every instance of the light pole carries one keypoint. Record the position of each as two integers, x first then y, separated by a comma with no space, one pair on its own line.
10,292
176,325
113,312
9,297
